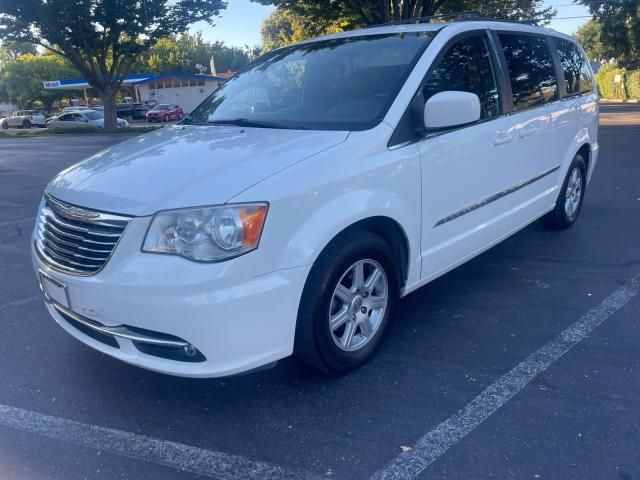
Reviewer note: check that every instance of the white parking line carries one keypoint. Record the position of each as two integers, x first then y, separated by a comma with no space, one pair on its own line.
19,303
209,463
437,442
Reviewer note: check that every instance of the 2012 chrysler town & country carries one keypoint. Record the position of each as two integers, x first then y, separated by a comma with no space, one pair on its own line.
291,210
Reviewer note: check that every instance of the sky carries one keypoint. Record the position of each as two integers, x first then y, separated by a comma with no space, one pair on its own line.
240,22
238,25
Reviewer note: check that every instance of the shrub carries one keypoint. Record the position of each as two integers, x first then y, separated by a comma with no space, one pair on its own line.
605,79
632,84
58,130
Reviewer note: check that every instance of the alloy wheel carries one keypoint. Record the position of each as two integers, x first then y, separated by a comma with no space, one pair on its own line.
358,305
573,193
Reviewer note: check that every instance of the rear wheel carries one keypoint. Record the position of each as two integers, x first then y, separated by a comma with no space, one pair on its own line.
570,198
347,304
5,125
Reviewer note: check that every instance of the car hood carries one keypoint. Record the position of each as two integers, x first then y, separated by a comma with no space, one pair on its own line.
185,166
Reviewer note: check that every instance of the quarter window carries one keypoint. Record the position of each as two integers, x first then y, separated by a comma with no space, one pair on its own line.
531,69
467,67
577,75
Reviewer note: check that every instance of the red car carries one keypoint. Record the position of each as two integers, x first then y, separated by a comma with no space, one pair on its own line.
164,112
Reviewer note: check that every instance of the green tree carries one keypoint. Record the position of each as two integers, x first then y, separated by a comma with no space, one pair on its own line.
359,13
101,38
9,51
22,79
619,23
589,36
284,26
183,52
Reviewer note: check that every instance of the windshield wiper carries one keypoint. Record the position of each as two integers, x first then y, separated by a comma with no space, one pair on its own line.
188,120
245,122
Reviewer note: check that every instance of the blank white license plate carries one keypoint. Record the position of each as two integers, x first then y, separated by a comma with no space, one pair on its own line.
55,291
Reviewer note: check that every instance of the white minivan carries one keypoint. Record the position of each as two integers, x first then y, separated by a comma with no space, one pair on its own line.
291,210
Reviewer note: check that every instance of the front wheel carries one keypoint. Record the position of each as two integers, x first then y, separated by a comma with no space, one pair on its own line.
347,304
26,124
570,198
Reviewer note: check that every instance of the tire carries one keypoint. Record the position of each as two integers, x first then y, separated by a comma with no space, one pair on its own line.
26,124
165,118
5,125
327,349
570,198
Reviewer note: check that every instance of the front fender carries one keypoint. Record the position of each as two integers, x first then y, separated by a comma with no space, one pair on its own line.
314,200
317,232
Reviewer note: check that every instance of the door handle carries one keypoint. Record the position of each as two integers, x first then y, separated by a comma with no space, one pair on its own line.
526,132
502,138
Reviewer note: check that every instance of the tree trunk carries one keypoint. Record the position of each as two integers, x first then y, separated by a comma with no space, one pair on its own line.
110,111
385,11
396,10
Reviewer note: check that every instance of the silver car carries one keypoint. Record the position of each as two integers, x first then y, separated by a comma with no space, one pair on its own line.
82,118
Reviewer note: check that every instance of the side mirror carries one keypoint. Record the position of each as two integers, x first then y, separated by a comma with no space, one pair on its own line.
451,109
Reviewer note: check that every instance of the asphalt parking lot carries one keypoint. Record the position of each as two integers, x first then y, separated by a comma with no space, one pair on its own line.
523,363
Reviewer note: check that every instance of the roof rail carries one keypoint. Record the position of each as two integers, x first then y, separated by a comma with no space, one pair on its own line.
415,20
480,18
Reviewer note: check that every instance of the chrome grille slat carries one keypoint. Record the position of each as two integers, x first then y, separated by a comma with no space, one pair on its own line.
52,227
56,220
54,238
77,240
62,258
63,251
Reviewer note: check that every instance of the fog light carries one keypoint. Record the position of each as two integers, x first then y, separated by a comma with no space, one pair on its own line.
190,350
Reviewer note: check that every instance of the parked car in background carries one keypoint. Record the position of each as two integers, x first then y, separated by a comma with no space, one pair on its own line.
132,111
24,119
81,118
165,112
291,220
75,108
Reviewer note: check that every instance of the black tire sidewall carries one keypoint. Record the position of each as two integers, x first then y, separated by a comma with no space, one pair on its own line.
336,360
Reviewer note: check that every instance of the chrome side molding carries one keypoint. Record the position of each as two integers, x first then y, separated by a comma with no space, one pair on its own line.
494,197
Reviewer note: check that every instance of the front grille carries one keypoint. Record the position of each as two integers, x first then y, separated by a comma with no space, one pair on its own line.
77,240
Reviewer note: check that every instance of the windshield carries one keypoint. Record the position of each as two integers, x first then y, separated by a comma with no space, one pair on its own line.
93,115
335,84
161,107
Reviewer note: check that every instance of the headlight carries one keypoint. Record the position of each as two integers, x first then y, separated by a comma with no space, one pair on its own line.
210,234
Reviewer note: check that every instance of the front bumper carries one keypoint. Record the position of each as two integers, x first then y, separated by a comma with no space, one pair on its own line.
238,321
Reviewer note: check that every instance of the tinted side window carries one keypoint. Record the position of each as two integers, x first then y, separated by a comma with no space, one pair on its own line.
531,69
577,76
466,67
